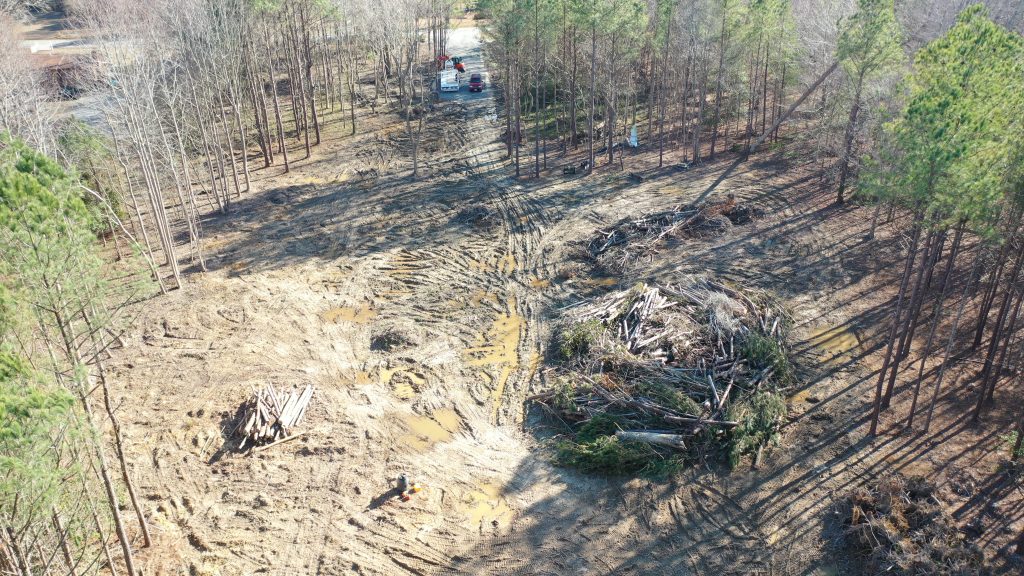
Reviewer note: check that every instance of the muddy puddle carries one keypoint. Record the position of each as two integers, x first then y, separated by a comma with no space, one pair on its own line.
835,344
405,384
355,315
486,506
499,347
422,432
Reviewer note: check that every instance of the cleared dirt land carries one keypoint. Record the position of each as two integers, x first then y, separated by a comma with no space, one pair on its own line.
422,311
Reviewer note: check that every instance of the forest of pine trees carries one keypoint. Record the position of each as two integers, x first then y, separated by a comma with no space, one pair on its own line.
930,126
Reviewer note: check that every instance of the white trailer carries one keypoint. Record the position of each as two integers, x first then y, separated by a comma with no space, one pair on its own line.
450,81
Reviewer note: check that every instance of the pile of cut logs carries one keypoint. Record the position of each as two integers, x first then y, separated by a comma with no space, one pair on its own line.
269,417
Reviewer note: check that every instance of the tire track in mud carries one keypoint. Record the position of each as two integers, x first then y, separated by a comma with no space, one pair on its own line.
469,281
473,285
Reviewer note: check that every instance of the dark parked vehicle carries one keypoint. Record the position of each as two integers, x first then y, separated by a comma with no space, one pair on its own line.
476,83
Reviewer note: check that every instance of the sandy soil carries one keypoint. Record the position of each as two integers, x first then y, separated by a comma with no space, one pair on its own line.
312,266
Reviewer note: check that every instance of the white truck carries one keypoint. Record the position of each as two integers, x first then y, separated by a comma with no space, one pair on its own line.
450,81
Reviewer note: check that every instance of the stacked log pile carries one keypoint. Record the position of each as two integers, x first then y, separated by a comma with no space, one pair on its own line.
270,416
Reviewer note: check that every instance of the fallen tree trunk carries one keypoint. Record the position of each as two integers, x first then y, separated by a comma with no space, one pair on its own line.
661,439
760,139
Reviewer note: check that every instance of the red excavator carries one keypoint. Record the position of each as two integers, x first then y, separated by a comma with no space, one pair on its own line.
456,63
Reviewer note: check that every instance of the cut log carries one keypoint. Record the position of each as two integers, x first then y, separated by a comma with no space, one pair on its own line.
307,395
660,439
281,441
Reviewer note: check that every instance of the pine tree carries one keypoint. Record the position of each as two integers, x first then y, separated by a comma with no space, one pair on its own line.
868,46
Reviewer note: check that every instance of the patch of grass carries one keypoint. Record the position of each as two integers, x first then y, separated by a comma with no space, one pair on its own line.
759,419
1010,439
763,352
577,339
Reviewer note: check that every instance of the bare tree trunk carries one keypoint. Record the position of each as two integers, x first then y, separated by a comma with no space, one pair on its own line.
990,294
282,146
764,89
508,106
231,146
258,107
536,91
911,318
593,102
100,531
851,130
1008,342
573,128
723,39
222,207
19,555
193,209
309,73
518,107
949,344
936,315
997,331
135,205
609,118
1015,455
115,426
661,95
241,131
908,268
699,127
62,538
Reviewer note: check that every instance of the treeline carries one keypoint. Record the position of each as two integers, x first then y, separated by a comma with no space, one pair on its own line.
701,78
66,506
916,108
951,158
187,98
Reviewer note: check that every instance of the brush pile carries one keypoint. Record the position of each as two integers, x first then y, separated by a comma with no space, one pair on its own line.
477,215
902,528
684,366
634,239
269,417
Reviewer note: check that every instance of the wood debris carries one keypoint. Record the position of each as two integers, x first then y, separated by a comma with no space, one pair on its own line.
632,239
270,415
671,365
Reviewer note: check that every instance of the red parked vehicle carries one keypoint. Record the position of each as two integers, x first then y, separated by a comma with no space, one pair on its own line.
476,83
